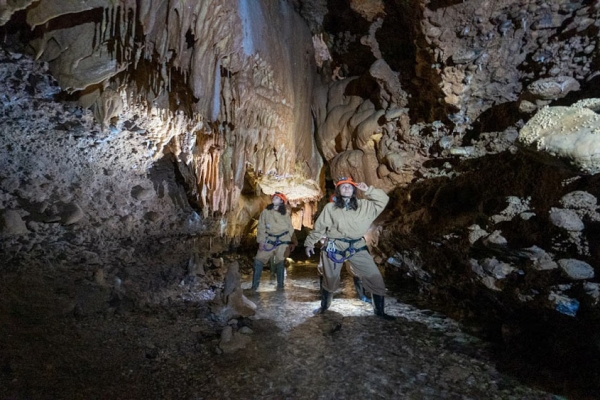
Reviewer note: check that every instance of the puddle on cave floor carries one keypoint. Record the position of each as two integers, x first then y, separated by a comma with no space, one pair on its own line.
291,310
300,297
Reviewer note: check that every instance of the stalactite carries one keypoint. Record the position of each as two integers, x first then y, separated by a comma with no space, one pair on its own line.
133,25
112,21
105,22
163,74
255,93
169,79
97,35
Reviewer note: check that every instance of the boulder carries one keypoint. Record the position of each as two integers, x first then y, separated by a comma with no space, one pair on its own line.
11,223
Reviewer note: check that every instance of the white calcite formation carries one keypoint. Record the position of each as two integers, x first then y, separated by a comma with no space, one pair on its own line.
569,136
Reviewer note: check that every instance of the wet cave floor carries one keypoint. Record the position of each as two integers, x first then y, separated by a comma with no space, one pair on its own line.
172,352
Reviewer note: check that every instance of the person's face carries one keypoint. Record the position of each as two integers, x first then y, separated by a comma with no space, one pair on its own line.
346,190
276,200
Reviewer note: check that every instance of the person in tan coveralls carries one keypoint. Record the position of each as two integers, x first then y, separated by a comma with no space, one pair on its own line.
344,222
275,238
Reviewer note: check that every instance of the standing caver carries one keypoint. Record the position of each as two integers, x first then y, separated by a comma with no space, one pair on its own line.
275,235
344,222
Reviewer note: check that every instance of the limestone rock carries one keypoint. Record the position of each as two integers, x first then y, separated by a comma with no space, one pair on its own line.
490,283
11,223
516,206
246,330
464,56
579,200
476,233
70,213
196,265
542,261
368,9
260,94
8,8
592,289
140,193
526,106
553,88
496,268
232,342
389,81
566,219
152,216
495,239
231,302
576,269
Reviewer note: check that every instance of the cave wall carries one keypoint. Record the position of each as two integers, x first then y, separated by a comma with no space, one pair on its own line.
89,221
439,79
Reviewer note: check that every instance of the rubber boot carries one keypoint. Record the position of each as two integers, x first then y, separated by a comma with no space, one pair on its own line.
258,267
360,291
280,268
378,306
272,267
325,300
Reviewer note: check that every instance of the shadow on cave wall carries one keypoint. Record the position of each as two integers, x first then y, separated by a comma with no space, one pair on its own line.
495,119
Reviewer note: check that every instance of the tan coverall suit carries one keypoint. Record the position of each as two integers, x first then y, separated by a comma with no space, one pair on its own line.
271,224
338,223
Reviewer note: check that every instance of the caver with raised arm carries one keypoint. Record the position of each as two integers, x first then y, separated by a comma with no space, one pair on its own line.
275,237
344,222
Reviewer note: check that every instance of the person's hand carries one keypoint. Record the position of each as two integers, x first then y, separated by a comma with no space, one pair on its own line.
292,247
362,186
310,251
261,246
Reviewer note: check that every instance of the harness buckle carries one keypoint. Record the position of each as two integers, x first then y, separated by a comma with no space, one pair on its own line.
277,241
339,256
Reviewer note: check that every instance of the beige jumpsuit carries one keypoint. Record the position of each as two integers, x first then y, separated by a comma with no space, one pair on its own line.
338,223
270,225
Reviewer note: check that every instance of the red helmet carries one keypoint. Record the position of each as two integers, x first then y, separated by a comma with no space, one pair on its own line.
343,180
281,196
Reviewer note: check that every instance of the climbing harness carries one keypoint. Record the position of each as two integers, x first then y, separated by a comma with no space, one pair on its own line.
275,242
339,256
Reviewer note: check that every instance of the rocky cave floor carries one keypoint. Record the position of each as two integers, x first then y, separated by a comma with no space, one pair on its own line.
172,349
